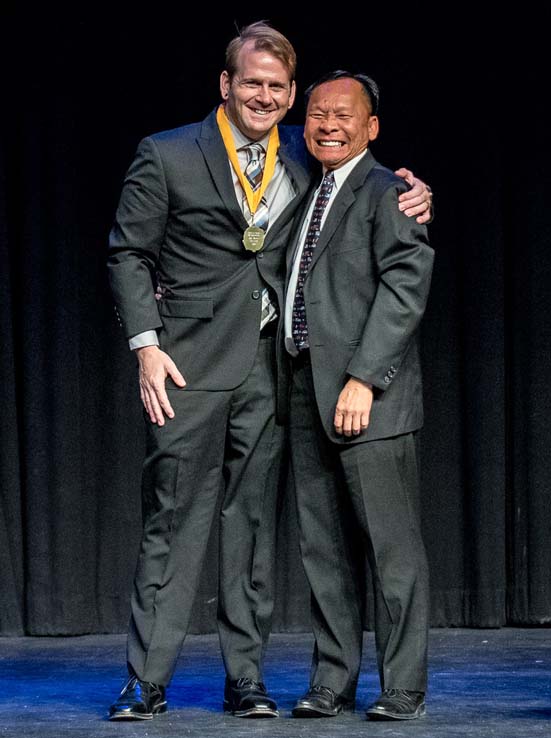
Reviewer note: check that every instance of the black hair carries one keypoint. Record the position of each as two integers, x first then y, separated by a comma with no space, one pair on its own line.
371,88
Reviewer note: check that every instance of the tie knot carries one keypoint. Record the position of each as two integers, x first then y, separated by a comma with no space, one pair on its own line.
326,187
255,151
328,180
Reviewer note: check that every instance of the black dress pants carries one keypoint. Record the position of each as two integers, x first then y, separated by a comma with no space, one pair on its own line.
371,488
220,445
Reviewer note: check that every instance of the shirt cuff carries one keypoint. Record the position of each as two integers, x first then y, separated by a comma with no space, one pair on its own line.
147,338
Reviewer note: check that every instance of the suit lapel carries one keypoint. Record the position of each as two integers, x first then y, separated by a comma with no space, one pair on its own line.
299,176
345,198
300,180
211,144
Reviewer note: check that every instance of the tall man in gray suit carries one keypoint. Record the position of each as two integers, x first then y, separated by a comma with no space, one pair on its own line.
196,265
360,273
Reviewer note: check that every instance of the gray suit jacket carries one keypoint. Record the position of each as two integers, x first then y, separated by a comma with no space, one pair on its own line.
365,294
177,232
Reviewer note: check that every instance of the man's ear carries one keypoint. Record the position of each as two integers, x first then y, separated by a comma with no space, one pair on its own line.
292,95
373,127
225,85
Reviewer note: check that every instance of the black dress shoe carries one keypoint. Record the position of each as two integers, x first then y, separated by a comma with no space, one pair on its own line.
138,701
397,704
321,702
248,699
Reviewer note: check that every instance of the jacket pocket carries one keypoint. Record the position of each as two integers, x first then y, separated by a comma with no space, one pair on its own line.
201,307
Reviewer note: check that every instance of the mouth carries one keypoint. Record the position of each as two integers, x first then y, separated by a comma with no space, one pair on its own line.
260,111
330,144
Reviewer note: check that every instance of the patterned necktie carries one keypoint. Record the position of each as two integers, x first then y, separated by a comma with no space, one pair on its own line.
253,172
300,327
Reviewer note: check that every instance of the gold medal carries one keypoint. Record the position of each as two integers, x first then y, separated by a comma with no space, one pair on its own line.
253,238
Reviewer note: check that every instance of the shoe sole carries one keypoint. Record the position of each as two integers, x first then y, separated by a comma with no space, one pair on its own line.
310,712
163,707
380,715
252,712
255,713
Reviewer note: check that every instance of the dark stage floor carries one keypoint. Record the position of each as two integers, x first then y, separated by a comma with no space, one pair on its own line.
482,683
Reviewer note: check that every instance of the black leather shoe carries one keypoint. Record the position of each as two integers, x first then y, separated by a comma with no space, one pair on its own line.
138,701
321,702
248,699
397,704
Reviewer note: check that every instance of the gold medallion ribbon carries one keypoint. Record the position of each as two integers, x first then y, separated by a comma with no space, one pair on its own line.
253,198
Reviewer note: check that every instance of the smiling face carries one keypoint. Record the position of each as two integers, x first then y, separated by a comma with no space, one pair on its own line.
339,124
259,94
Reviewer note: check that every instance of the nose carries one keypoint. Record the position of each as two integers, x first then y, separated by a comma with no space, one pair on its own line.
264,95
328,123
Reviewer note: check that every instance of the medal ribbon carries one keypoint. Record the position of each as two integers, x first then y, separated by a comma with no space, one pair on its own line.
253,198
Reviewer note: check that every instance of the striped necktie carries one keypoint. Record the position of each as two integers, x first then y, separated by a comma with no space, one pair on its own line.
253,172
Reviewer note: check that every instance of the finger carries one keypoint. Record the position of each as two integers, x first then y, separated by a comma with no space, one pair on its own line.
356,424
418,192
410,211
150,407
337,421
156,411
147,405
425,217
347,425
175,374
364,421
163,402
416,196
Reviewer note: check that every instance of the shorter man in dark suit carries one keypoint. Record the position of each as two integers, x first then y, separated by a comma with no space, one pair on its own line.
359,276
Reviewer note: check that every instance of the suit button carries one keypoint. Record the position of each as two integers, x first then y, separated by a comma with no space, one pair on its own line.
387,380
255,294
260,256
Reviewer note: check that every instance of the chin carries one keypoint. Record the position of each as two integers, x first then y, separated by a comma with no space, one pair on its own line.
329,161
329,157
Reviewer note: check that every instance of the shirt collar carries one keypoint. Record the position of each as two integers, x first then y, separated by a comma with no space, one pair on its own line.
341,173
241,140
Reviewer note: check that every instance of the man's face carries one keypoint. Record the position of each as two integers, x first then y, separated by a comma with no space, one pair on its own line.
259,94
339,125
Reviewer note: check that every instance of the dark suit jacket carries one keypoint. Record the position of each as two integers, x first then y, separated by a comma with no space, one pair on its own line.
179,224
365,294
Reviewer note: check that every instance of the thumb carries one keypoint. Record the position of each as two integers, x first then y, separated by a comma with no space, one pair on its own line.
406,174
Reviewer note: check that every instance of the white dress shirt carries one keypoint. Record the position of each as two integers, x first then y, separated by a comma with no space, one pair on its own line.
340,175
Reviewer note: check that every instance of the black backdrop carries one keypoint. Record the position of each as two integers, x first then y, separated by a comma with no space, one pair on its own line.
463,105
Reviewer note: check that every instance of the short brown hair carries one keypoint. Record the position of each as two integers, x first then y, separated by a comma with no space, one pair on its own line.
265,38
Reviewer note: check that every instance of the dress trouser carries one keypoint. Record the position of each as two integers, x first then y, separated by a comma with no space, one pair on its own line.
223,444
372,489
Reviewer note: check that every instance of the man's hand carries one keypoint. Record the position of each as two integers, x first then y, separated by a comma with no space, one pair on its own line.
155,366
418,200
353,408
